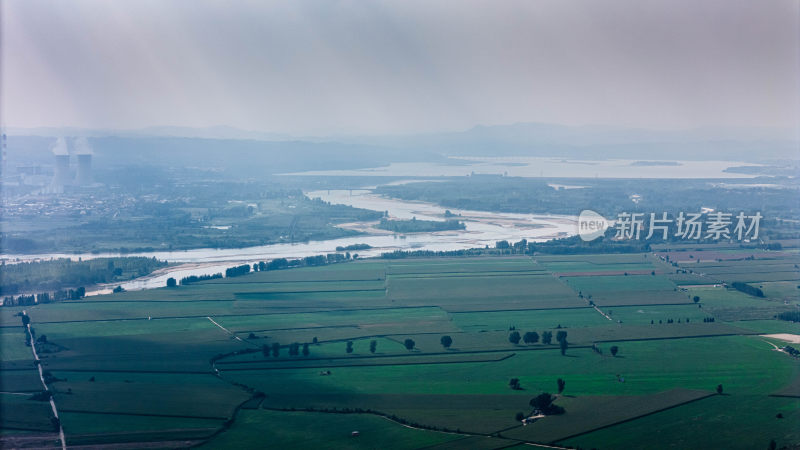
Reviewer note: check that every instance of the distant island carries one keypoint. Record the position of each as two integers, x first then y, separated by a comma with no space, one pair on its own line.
419,226
656,163
786,170
347,248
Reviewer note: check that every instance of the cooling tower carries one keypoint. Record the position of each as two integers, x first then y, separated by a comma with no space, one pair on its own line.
61,177
84,176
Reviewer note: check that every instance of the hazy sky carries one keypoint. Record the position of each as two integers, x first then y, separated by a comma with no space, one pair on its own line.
323,67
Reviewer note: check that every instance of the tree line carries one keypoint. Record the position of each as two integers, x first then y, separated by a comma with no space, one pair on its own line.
417,226
790,316
45,297
64,273
747,289
264,266
532,337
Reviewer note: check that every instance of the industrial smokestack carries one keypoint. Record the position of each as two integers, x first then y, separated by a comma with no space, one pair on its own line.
84,169
61,153
61,177
82,148
60,147
3,157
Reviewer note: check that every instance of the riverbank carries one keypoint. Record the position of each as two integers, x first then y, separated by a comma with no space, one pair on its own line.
482,228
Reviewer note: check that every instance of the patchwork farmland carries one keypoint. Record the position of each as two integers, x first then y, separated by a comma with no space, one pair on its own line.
308,356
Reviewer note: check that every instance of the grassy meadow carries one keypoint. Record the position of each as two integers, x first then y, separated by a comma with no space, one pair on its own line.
196,365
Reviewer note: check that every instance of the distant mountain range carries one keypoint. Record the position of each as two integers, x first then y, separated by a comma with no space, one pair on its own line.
251,150
539,139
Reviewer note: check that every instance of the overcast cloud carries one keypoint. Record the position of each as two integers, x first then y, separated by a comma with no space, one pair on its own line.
332,67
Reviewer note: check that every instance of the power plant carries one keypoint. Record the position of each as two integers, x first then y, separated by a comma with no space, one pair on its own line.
62,176
84,176
4,157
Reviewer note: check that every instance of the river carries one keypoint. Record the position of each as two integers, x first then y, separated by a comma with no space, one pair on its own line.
482,228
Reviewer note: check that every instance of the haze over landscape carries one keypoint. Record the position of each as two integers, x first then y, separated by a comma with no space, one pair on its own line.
321,69
400,224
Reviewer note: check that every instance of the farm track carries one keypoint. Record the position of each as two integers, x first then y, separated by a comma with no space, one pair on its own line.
602,313
44,384
229,332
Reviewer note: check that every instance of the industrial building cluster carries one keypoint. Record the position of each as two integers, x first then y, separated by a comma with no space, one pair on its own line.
72,168
63,175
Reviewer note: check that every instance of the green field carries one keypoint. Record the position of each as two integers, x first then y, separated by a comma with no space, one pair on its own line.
194,364
260,428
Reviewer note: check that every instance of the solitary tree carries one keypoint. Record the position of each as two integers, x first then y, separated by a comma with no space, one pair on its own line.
171,282
614,350
514,337
564,345
544,404
409,343
315,340
696,298
719,389
349,348
547,337
265,350
276,349
561,335
561,383
305,349
531,337
514,384
373,345
446,341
